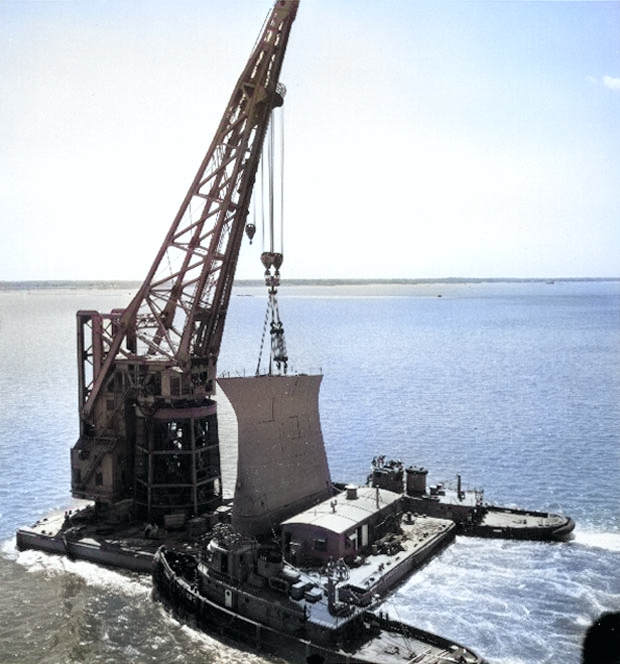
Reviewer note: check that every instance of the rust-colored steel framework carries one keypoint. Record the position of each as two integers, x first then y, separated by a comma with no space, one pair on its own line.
148,423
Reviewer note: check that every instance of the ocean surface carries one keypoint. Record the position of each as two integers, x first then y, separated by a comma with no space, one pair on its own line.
514,385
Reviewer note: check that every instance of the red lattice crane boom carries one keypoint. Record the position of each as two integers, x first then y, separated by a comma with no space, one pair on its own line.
147,373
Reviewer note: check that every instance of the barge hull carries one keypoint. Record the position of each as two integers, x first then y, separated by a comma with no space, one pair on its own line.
506,523
50,536
95,552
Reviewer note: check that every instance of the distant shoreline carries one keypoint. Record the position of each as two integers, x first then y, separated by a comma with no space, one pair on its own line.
114,285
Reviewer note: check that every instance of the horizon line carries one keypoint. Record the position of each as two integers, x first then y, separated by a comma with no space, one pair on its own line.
328,281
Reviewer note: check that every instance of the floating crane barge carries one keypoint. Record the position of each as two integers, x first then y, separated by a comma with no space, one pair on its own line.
146,473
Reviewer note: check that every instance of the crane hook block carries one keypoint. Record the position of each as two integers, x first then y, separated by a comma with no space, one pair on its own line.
250,230
271,259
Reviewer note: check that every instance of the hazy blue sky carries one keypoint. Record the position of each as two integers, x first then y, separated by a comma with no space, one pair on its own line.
424,138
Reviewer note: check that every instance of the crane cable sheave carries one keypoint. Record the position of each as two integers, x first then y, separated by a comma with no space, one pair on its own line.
178,314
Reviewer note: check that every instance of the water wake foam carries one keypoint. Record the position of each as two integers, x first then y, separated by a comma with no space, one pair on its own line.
8,548
92,574
607,541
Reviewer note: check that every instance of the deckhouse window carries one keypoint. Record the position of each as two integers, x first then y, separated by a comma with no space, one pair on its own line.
320,545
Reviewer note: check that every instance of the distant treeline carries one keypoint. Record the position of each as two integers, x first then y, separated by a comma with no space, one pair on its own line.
70,285
75,285
413,282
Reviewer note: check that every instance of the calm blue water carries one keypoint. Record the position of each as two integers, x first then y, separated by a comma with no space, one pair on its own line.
515,386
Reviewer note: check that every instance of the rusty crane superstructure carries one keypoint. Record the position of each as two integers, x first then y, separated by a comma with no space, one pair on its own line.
148,422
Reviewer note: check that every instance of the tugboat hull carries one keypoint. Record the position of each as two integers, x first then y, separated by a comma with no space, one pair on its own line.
367,638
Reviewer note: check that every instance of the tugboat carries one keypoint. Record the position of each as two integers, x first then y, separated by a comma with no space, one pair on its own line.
246,591
468,509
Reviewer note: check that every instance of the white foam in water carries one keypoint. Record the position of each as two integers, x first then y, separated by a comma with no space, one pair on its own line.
8,548
489,593
93,575
607,541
